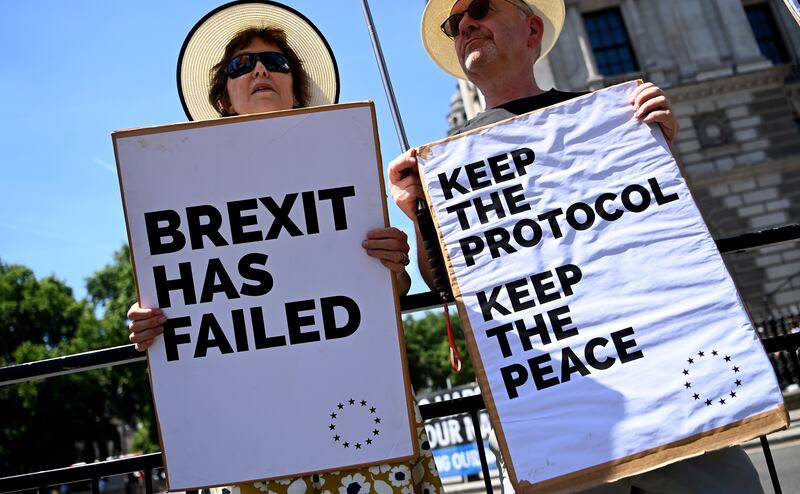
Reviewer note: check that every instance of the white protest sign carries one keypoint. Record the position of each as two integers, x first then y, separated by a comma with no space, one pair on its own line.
283,352
607,335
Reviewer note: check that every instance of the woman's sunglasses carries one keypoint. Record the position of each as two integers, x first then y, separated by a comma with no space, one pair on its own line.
477,10
244,63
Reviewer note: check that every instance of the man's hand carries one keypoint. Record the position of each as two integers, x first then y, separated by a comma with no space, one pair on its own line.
390,247
404,183
651,105
406,189
145,325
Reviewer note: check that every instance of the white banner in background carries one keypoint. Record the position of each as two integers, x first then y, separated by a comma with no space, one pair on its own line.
283,353
452,439
608,335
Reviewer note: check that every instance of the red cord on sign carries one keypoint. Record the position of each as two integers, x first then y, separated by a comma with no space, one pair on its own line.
455,355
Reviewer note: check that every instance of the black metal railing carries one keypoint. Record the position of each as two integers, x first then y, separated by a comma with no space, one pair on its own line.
778,334
775,333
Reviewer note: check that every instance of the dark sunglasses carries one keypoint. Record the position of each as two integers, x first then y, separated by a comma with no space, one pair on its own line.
244,63
477,10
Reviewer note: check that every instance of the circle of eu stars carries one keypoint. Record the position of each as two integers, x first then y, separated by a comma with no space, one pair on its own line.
369,427
692,378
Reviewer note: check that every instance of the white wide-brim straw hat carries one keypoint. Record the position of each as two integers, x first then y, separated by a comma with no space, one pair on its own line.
442,50
205,45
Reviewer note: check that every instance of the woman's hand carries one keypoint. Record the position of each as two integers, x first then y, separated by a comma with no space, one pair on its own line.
390,247
145,325
650,104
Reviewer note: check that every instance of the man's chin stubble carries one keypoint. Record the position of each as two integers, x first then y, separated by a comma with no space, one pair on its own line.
477,59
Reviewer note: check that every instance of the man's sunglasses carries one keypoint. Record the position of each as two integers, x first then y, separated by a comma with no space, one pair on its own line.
244,63
477,10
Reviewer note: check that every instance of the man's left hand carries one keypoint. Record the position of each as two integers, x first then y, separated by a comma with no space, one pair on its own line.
650,104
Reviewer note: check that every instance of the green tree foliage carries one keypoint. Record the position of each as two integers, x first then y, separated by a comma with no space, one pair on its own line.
62,420
112,291
428,352
32,310
41,319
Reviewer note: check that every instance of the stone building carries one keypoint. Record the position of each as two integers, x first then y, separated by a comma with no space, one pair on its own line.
732,71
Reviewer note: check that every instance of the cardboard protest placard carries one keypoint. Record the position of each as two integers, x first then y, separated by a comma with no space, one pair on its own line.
283,352
607,335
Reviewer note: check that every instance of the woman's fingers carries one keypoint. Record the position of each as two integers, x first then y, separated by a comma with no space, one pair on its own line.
386,239
392,239
140,347
145,325
395,261
389,246
146,334
136,313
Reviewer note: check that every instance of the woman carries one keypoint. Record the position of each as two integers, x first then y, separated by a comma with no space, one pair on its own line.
262,70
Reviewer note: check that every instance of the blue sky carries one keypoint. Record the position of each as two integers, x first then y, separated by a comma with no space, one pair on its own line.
76,71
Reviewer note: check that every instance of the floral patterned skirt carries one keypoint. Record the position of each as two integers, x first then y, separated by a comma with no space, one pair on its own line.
418,476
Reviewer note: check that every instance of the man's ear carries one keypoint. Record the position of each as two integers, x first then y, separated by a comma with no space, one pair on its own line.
536,33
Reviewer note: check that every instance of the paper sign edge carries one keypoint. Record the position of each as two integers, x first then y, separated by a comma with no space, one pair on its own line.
401,340
715,439
198,124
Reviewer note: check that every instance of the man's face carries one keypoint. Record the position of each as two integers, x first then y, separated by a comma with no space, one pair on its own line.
503,38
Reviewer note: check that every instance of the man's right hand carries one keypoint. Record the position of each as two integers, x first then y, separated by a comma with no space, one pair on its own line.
145,325
404,183
406,188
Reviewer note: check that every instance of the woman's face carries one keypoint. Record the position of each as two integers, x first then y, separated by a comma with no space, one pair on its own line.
260,90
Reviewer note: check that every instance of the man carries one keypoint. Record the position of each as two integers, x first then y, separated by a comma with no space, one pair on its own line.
496,52
494,44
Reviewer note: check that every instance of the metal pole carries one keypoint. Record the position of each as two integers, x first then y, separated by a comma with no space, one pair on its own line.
148,481
387,83
476,426
773,474
424,221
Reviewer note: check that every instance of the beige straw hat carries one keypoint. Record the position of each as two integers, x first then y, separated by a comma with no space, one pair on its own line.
440,47
205,46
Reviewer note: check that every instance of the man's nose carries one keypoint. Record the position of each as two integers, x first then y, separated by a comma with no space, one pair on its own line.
467,24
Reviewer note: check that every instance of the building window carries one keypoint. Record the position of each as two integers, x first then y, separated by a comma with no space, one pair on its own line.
766,32
610,42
